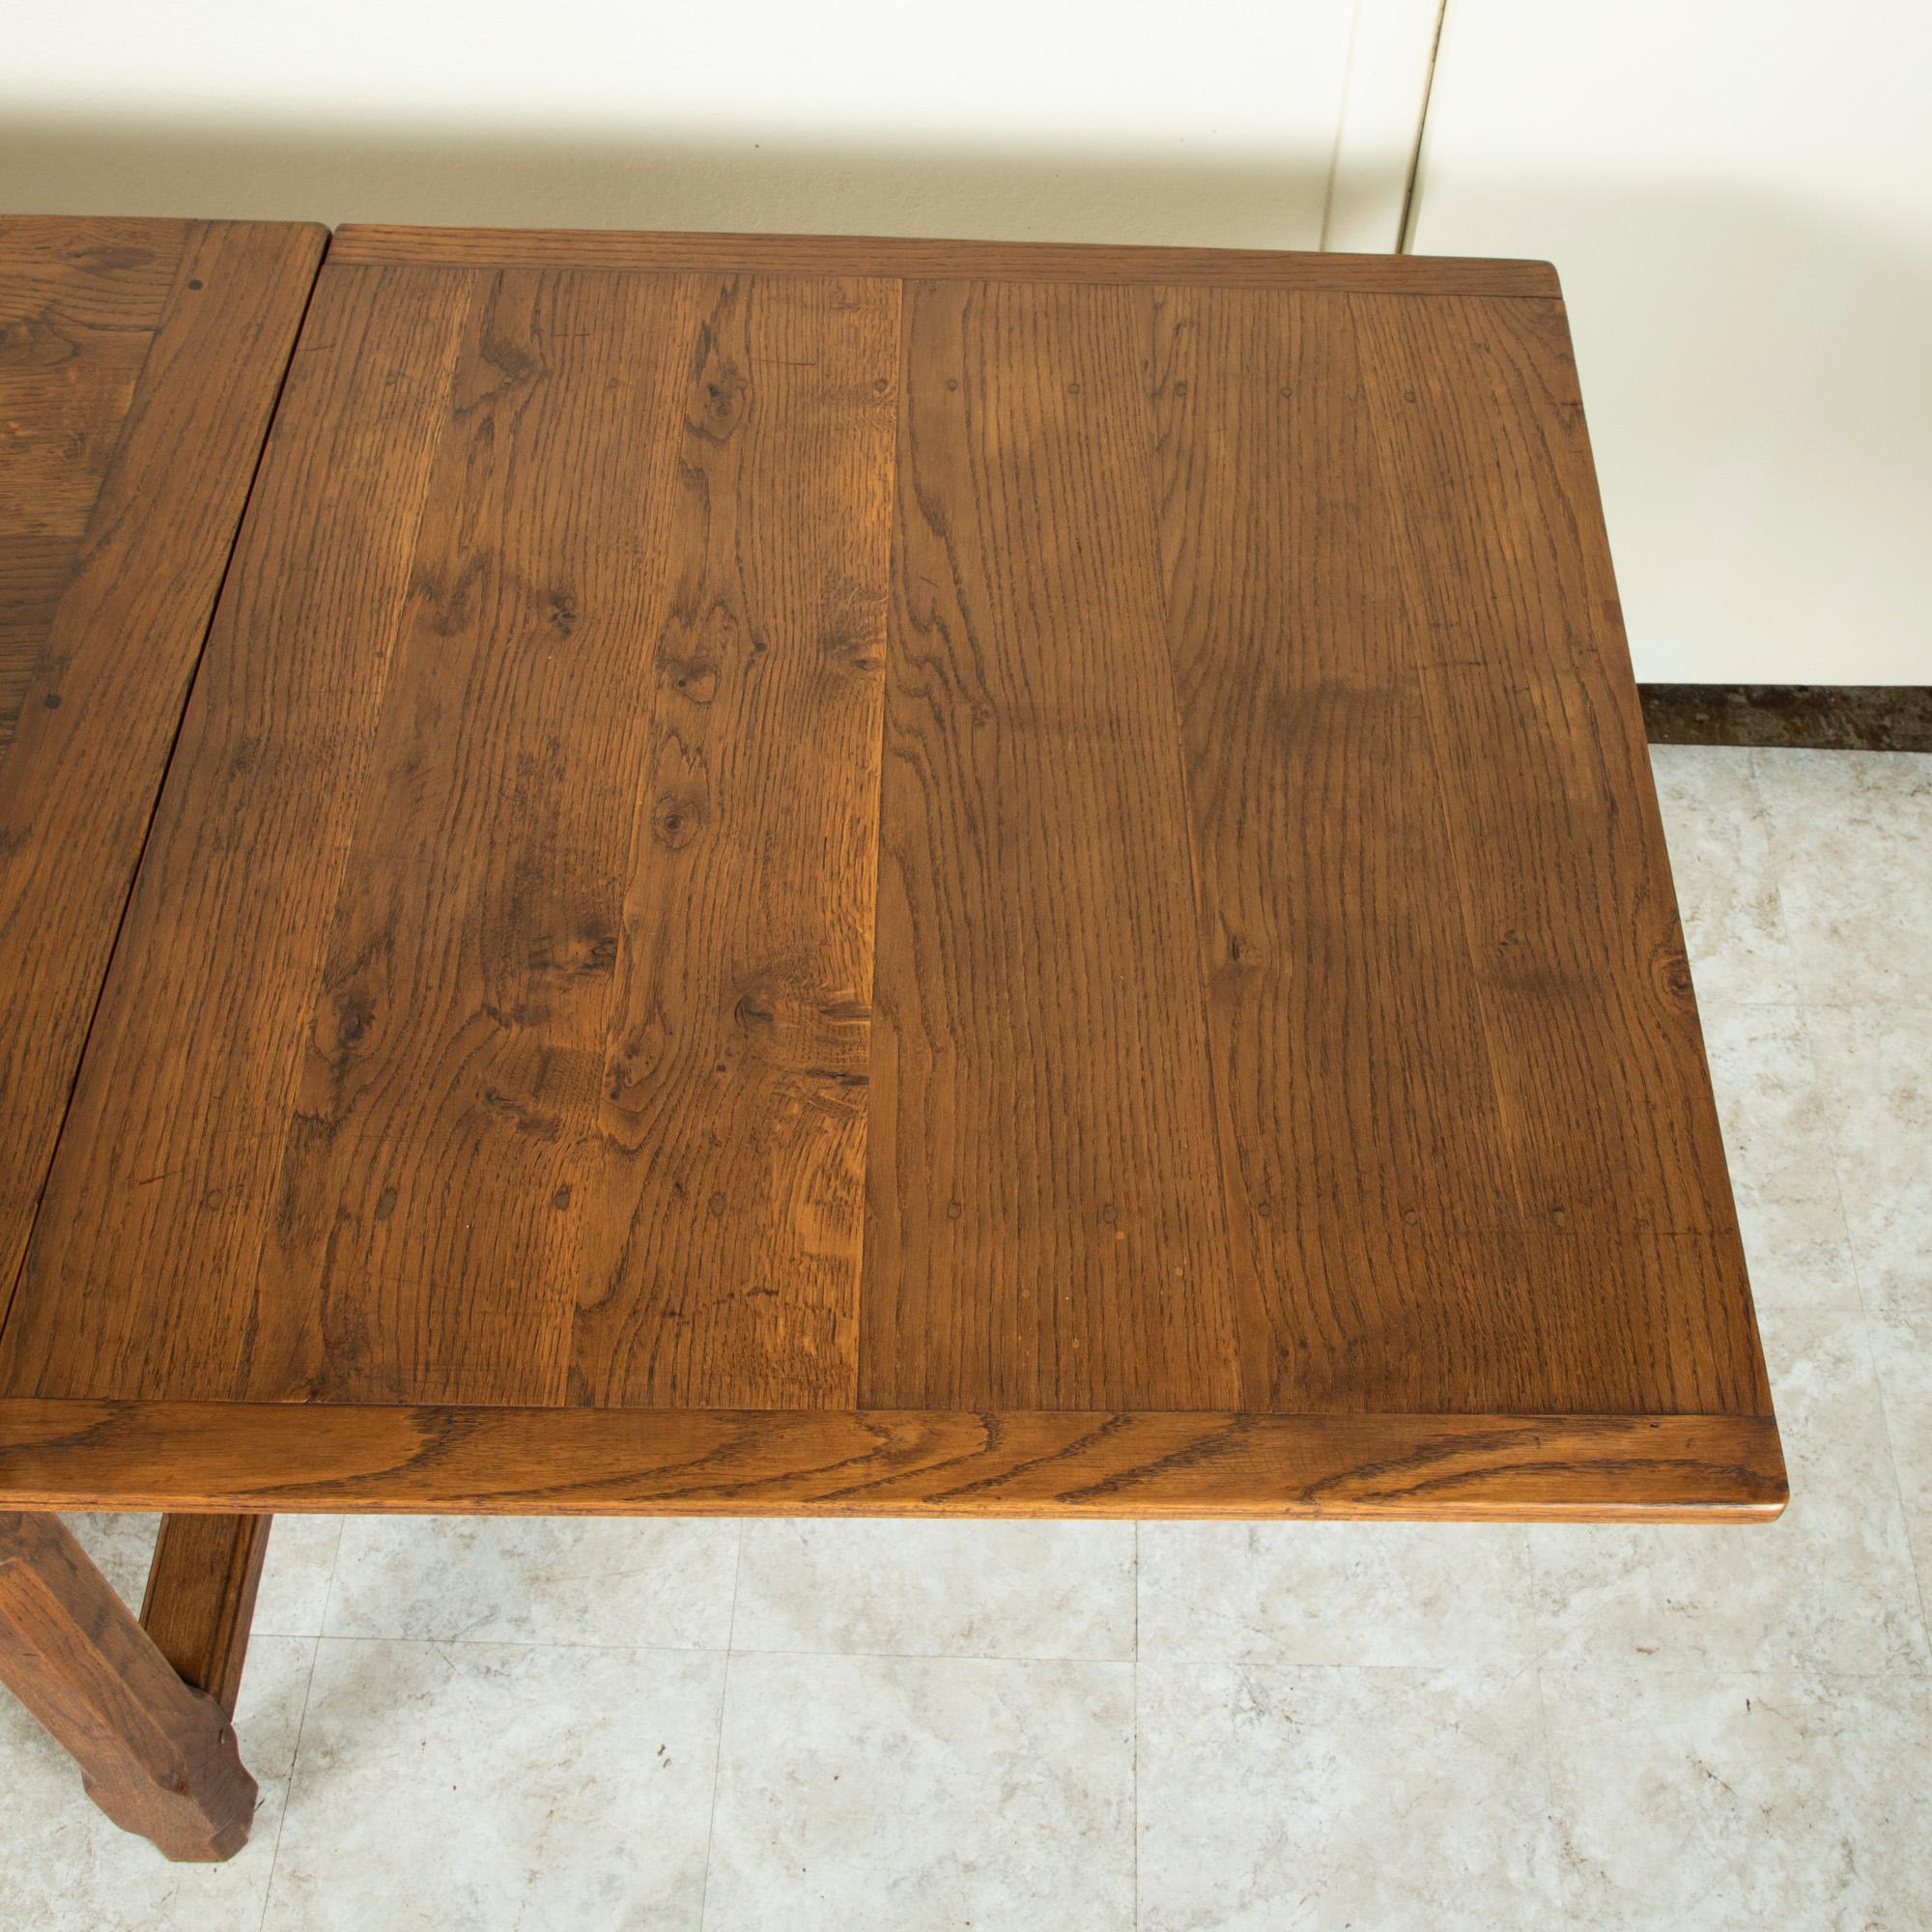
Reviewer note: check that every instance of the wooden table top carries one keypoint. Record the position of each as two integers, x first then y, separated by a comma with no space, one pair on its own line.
902,877
139,363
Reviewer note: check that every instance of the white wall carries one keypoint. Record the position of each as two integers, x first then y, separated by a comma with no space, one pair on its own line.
1738,194
1129,120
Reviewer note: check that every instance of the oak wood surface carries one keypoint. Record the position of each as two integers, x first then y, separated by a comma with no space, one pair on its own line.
1046,1227
1055,1463
200,1598
140,362
158,1755
899,257
761,841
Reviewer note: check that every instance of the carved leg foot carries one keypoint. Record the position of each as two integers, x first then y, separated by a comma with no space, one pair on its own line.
157,1754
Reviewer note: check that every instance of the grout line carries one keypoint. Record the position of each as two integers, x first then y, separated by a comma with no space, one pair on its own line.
1406,222
302,1724
1920,1559
718,1747
1619,1669
1549,1786
334,1570
719,1650
289,1792
1839,1189
1134,1819
737,1577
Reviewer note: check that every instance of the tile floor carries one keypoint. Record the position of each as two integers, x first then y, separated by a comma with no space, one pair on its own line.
1191,1728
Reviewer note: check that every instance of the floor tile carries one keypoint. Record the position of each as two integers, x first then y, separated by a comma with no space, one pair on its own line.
1346,1593
1735,1802
1777,1139
295,1575
916,1794
938,1589
664,1582
1902,1350
1828,1585
478,1786
1720,843
1273,1799
1876,1066
1851,839
122,1545
64,1869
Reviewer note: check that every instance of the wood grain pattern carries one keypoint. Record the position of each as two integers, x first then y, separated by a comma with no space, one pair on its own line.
158,1757
809,875
1585,994
1357,1121
1380,987
613,1461
908,257
452,1051
725,1224
170,1167
139,363
200,1600
1046,1226
576,920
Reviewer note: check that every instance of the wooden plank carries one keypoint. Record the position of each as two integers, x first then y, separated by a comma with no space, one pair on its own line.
167,1170
428,1213
627,1014
1370,1205
1091,262
156,1755
292,1455
1389,1101
201,1593
547,1081
1561,874
1046,1228
722,1267
139,363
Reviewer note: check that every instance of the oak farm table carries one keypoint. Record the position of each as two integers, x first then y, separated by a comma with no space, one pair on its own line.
814,876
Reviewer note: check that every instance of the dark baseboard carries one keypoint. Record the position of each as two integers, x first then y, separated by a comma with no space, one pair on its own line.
1822,717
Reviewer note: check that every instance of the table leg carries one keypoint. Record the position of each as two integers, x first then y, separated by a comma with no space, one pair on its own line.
157,1754
201,1598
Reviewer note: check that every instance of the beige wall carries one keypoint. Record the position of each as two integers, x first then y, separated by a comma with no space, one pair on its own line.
1739,196
1129,120
1736,192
